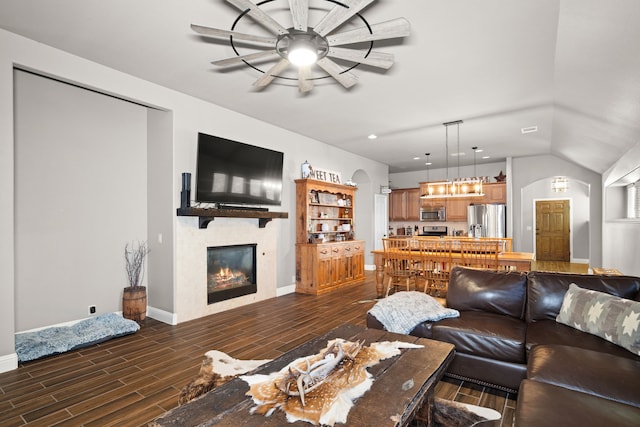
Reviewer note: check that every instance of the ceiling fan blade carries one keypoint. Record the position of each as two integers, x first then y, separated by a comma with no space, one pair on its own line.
338,15
269,75
305,84
214,32
300,14
236,60
374,59
345,79
259,16
398,27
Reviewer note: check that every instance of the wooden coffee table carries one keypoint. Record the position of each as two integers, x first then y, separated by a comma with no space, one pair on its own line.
402,386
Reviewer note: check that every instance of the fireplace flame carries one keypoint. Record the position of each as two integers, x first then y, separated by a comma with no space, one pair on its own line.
226,273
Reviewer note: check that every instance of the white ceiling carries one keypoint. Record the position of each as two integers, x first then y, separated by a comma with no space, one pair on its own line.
569,67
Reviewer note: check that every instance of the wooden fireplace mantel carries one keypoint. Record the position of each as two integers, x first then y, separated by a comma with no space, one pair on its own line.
206,215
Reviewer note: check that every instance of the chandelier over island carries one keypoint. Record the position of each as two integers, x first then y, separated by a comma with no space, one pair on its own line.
458,187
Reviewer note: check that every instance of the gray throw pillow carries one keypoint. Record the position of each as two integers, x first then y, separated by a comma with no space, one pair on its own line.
615,319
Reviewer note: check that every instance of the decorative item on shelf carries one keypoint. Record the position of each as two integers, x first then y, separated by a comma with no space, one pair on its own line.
459,187
307,170
560,184
185,193
134,297
501,177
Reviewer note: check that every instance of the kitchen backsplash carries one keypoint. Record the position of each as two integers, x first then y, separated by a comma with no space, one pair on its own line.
451,226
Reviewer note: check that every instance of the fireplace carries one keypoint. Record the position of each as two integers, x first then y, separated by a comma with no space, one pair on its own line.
231,272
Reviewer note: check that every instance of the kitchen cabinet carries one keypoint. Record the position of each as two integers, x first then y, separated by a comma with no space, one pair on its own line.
327,257
495,192
457,208
404,204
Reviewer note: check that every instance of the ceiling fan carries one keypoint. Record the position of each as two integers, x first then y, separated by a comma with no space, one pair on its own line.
303,46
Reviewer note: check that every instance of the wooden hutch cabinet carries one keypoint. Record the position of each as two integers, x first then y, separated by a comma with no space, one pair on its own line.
327,256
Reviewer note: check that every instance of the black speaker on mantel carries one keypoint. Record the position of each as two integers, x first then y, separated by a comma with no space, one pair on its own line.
185,194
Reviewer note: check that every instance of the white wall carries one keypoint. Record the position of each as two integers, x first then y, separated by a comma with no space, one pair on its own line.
190,115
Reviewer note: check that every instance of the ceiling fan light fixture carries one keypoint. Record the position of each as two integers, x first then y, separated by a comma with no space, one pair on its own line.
302,54
302,48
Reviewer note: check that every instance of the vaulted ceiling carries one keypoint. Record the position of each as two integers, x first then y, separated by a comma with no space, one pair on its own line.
571,68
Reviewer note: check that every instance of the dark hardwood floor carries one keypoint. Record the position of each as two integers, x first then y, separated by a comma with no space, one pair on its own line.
129,381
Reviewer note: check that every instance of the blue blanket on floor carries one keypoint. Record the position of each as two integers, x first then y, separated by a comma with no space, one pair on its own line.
58,339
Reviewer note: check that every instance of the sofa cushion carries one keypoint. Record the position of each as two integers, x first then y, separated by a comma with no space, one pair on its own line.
545,291
615,319
541,404
489,291
552,332
587,371
490,335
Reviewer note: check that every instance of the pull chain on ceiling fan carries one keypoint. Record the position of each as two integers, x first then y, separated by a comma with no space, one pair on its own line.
315,45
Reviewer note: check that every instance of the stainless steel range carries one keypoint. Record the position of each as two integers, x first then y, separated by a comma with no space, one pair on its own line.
434,230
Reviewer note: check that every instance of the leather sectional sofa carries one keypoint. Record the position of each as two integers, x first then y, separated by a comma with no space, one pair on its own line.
507,337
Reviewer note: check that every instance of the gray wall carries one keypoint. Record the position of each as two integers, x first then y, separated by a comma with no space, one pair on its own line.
80,188
531,180
621,237
411,179
160,210
171,127
579,196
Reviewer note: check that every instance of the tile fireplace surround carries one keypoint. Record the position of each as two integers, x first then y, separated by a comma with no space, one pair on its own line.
191,262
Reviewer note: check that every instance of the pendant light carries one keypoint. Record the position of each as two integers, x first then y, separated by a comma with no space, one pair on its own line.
460,187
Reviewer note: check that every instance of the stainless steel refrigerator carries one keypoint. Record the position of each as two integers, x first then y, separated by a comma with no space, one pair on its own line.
487,220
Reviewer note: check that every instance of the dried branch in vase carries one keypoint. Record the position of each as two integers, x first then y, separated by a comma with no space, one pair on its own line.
134,258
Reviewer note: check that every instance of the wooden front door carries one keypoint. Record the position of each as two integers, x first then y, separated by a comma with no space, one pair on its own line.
552,230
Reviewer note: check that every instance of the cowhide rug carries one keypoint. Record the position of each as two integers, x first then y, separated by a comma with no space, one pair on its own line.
218,368
448,413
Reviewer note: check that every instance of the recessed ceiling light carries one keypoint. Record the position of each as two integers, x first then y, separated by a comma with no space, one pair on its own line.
457,154
372,136
428,164
416,158
486,157
530,129
478,150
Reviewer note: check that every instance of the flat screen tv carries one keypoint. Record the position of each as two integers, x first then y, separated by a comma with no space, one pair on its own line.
233,173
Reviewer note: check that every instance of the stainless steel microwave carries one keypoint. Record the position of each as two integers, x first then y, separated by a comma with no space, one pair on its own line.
433,214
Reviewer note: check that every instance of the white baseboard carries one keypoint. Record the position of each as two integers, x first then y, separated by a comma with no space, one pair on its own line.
580,260
162,316
370,267
285,290
8,362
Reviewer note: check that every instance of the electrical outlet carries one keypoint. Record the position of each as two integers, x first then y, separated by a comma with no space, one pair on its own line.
92,309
